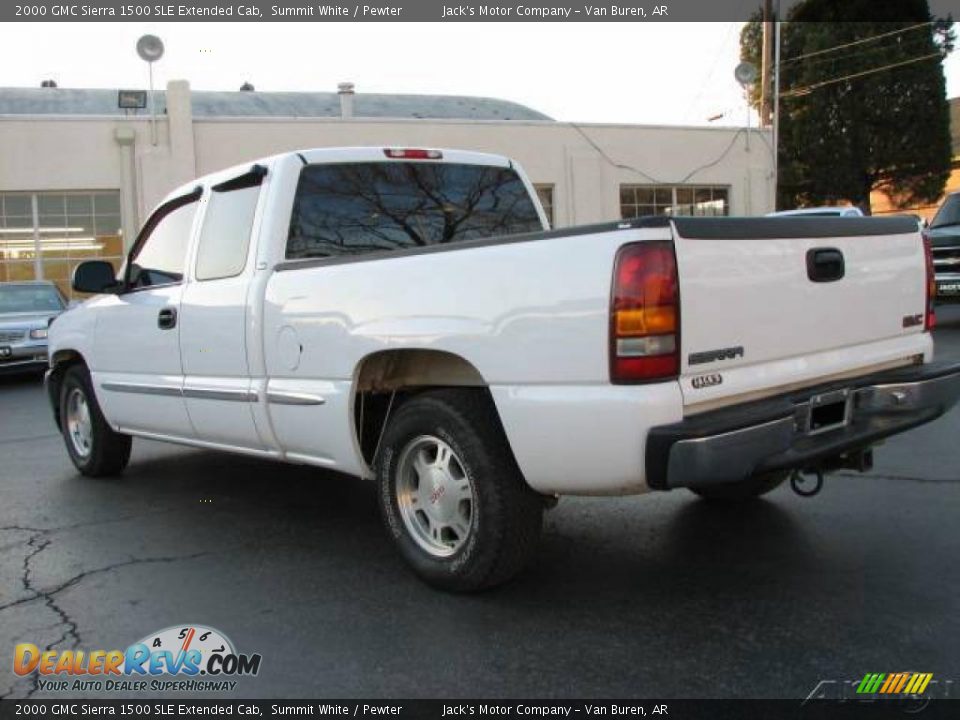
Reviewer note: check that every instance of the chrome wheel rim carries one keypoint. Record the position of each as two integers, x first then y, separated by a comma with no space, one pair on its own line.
435,496
79,426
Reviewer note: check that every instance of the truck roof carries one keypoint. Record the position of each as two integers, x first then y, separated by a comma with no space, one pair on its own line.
371,153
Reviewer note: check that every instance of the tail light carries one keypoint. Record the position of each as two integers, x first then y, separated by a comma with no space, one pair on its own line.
412,154
645,314
930,319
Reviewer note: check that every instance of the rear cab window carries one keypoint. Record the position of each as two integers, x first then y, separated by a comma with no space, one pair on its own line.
357,208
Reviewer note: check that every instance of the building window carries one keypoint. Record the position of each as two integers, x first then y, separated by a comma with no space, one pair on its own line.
44,235
545,193
700,200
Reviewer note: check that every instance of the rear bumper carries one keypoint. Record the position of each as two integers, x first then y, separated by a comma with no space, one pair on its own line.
733,443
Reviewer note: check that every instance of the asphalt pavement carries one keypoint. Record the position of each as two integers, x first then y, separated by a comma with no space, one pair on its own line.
661,596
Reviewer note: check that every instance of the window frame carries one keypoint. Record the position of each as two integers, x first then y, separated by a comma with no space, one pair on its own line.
147,230
551,188
674,204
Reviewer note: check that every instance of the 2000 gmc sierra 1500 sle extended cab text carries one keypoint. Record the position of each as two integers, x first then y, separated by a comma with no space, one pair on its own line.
403,315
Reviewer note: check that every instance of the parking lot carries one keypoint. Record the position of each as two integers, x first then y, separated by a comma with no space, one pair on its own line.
660,596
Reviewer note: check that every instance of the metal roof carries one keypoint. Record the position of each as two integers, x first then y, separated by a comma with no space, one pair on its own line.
103,102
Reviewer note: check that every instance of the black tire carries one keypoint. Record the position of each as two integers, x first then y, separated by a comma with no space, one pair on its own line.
742,491
108,452
506,515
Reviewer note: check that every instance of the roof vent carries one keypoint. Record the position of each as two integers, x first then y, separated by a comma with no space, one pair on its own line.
345,91
48,84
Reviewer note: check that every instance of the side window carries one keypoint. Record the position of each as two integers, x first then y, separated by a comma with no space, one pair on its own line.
225,238
161,257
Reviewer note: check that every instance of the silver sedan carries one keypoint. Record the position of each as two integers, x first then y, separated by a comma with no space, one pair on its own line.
26,311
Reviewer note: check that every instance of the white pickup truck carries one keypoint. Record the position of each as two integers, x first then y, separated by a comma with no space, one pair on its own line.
404,315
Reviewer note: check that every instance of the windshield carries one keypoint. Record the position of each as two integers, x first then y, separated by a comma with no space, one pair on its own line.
29,298
949,212
356,208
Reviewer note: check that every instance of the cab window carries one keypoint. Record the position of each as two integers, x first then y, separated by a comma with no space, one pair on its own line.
225,238
159,256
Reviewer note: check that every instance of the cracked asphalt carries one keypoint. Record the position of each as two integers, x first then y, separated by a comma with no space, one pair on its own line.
657,596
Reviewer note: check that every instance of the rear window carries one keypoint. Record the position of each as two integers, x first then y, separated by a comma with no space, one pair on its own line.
949,212
356,208
29,298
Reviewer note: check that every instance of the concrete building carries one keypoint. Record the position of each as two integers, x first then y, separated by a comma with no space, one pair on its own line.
78,174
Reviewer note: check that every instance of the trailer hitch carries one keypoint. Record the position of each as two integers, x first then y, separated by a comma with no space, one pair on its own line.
806,483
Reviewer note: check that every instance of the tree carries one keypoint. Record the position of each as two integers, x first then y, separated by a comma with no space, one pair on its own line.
862,103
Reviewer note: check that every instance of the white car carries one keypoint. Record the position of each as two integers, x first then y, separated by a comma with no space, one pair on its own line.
828,211
402,315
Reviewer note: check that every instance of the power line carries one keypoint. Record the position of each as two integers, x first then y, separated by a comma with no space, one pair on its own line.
795,92
872,38
911,44
655,181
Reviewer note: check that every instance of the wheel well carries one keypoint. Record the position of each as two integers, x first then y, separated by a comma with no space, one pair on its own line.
59,363
386,379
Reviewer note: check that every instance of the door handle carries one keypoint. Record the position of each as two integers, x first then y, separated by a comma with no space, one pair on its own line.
825,265
167,319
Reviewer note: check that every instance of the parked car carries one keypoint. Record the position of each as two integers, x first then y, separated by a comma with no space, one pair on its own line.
403,315
828,211
26,311
944,238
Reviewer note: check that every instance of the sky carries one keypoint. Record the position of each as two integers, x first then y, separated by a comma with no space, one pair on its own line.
674,73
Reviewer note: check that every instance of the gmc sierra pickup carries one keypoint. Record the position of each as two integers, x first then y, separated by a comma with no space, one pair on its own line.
403,315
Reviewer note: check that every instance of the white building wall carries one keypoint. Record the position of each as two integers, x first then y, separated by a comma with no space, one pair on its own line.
63,153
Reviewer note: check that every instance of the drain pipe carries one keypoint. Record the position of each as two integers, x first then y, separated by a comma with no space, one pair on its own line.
345,91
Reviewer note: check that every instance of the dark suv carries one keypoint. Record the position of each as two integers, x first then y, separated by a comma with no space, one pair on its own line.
944,234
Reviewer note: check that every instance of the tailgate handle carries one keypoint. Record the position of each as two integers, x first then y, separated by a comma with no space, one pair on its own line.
825,264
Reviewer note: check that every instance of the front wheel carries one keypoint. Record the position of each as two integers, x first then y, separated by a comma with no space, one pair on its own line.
95,449
451,494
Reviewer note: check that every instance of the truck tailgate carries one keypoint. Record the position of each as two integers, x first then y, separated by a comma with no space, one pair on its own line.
773,303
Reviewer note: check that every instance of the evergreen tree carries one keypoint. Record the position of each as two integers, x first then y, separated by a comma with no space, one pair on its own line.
870,115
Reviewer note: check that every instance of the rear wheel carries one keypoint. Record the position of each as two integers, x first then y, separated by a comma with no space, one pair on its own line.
95,449
748,489
451,494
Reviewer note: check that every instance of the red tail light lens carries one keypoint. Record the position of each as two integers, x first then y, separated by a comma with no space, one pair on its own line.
645,314
412,154
930,319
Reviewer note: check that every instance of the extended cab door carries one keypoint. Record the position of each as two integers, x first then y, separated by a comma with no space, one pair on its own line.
213,335
137,366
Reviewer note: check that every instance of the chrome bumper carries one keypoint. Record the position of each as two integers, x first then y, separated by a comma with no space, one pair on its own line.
734,443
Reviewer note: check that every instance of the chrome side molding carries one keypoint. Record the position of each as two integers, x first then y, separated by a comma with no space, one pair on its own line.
283,397
141,389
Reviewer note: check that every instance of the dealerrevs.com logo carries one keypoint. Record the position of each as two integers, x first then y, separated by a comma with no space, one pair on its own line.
912,690
190,658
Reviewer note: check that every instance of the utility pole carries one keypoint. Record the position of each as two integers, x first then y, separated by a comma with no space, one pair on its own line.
766,65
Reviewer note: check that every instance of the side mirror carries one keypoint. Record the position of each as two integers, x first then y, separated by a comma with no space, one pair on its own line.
94,277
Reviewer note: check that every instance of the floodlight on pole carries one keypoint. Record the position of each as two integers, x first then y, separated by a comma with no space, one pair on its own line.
150,49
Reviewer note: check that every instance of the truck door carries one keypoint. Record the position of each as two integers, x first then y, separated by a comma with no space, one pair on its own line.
213,335
136,367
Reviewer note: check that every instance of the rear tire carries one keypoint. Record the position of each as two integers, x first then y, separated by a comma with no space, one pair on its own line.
451,494
742,491
95,449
